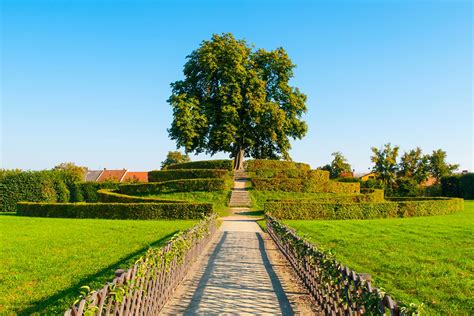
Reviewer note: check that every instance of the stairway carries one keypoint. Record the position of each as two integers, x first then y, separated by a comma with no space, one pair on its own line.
240,197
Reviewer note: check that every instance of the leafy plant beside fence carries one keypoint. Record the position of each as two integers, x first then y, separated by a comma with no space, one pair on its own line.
337,289
145,288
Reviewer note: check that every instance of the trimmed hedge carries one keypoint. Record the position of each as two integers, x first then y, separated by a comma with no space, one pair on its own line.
204,164
304,185
174,186
116,210
34,186
458,186
317,175
389,209
178,174
88,191
375,196
107,196
256,164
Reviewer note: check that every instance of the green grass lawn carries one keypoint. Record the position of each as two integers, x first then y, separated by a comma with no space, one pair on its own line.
220,199
44,261
426,260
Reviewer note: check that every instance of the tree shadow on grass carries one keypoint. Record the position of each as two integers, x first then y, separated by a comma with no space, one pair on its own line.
60,302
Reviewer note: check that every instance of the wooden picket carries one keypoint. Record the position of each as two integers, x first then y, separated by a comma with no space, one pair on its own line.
147,293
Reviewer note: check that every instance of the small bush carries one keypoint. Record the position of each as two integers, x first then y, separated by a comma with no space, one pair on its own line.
178,174
107,196
204,164
116,210
394,208
458,186
174,186
254,165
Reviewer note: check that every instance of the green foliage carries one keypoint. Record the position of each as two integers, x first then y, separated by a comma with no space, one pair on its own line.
115,210
34,186
178,174
338,166
317,175
304,185
458,186
419,259
174,157
87,191
45,261
71,173
235,99
414,165
406,187
204,164
107,196
185,185
439,167
258,164
385,163
364,210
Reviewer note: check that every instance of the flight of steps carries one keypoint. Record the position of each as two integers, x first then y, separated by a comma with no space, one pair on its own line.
240,197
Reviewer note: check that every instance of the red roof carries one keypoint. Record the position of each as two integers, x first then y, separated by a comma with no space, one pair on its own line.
112,175
136,176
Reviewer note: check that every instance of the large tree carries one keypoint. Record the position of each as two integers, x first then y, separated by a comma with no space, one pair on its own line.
385,163
415,165
174,157
439,167
236,99
338,166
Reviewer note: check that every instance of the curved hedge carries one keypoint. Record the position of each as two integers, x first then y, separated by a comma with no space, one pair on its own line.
174,186
256,164
116,210
107,196
364,210
178,174
304,185
204,164
316,175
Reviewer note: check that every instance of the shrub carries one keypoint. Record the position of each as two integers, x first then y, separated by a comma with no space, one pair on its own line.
174,186
204,164
304,185
316,175
365,210
178,174
116,210
87,191
254,165
458,186
107,196
34,186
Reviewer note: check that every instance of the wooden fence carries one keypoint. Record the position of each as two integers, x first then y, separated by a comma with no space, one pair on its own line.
336,289
145,288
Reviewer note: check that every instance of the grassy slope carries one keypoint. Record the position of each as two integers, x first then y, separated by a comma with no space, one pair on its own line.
424,259
43,261
220,199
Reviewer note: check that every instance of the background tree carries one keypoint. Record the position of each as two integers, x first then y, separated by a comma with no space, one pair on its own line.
174,157
385,163
413,164
238,100
439,167
338,166
71,172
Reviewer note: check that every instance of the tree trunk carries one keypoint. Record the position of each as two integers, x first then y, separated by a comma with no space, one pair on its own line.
239,159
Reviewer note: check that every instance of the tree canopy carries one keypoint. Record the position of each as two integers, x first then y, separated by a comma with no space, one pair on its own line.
237,99
339,166
414,164
439,167
385,162
174,157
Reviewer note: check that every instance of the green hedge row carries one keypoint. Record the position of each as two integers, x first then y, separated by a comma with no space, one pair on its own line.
304,185
256,164
458,186
107,196
374,196
88,191
389,209
317,175
35,186
174,186
204,164
178,174
116,210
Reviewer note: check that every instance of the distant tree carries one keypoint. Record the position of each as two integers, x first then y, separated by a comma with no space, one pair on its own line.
174,157
439,167
238,100
338,166
414,165
385,163
71,172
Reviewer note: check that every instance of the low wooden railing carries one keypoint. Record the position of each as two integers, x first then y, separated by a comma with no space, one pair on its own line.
145,288
336,289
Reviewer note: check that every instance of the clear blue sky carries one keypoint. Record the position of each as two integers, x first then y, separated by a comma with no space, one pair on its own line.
87,81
